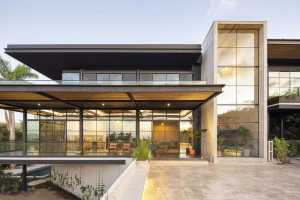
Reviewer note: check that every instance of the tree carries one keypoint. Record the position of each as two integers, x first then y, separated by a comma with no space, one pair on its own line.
21,72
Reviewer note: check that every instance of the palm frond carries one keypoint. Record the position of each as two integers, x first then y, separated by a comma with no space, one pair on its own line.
5,69
22,72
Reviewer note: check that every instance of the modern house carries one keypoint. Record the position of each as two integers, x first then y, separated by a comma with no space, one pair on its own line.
190,100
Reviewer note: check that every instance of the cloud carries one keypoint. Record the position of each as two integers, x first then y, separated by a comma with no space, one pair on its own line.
217,6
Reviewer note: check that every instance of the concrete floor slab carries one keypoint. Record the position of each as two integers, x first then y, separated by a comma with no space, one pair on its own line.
229,179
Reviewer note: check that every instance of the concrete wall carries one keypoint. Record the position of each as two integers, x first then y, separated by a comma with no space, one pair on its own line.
263,91
209,73
91,174
209,109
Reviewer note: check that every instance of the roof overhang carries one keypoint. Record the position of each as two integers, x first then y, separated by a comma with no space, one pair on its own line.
284,104
19,97
51,60
284,51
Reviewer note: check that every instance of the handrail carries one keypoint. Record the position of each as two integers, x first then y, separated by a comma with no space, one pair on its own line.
103,83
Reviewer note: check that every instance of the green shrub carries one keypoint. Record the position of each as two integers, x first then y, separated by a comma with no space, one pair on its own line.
8,183
142,151
293,149
281,148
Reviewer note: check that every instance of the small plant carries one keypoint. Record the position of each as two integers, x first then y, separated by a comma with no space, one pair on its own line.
8,183
143,151
281,148
293,149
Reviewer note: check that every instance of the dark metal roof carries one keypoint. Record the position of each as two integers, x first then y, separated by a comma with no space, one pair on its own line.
284,52
52,59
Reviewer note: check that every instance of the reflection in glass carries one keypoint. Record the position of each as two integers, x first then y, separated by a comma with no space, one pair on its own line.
273,82
228,96
247,38
284,82
172,77
159,77
145,129
226,75
238,139
226,56
227,38
247,95
247,76
274,92
247,57
273,74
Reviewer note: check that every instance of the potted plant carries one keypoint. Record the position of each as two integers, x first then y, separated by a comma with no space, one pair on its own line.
244,132
220,146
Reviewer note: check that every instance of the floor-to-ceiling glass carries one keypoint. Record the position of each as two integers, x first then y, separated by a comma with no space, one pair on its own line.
170,132
238,104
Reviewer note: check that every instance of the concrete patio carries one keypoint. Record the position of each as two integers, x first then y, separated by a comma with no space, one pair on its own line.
229,179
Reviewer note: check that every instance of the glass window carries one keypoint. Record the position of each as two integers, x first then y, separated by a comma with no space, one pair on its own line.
172,115
273,74
145,130
116,126
284,91
186,77
73,131
295,82
159,115
228,96
247,94
284,74
274,92
145,114
273,82
226,75
247,76
71,76
146,77
227,57
115,77
32,131
89,77
102,126
102,77
172,77
186,115
227,38
247,56
284,82
159,77
247,38
129,77
295,74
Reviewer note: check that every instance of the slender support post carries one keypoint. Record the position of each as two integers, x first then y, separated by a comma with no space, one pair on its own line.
24,132
281,126
81,130
24,178
137,126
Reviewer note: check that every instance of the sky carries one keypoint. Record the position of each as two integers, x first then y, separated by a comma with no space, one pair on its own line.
134,21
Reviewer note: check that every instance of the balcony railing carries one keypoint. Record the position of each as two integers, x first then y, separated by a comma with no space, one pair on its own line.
103,83
50,149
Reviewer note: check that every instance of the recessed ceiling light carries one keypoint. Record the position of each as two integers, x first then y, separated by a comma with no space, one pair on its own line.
168,104
38,104
102,104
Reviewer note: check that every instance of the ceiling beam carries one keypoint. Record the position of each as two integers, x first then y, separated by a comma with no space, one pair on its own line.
57,99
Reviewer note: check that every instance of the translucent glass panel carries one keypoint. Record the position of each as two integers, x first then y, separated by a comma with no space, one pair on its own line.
109,77
238,48
238,38
283,83
145,130
71,76
238,70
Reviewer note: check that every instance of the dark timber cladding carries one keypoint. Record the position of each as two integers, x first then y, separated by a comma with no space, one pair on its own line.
115,96
283,52
51,60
